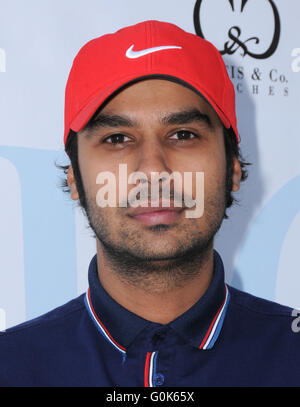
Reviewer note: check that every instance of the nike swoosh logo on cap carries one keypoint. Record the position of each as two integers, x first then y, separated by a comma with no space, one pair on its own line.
137,54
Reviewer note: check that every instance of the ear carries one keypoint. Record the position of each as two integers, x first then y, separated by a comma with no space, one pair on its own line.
237,175
72,184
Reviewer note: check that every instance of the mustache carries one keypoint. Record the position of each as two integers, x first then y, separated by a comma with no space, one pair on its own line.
161,195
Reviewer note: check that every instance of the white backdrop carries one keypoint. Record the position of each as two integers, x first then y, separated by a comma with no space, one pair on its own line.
45,246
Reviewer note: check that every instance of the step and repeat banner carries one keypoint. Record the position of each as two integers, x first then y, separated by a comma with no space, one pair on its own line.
45,244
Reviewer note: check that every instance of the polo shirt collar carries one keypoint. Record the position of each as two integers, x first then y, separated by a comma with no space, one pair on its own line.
200,325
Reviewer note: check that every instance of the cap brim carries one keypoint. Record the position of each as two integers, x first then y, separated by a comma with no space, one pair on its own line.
98,100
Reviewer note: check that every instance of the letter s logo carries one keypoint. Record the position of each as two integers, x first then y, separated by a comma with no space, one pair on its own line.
296,61
296,322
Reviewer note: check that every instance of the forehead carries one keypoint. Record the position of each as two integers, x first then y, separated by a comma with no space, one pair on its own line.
156,96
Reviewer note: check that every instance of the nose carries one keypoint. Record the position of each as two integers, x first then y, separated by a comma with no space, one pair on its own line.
152,158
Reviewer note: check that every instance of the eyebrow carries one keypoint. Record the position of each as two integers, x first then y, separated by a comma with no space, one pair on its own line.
186,117
107,120
177,118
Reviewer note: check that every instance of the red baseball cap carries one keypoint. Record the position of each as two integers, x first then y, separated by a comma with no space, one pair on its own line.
148,49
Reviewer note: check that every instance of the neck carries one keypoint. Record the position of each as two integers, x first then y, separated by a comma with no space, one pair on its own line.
163,294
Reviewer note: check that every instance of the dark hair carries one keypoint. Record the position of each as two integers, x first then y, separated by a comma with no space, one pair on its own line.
231,149
71,149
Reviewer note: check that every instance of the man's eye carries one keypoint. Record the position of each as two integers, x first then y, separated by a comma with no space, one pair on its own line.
117,138
183,135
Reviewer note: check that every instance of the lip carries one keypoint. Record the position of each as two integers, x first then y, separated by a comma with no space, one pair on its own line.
159,208
151,216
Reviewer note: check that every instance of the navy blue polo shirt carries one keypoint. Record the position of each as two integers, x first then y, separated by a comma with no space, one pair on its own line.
228,338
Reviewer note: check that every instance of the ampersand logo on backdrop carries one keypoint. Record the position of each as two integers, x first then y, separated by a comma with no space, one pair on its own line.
245,32
236,39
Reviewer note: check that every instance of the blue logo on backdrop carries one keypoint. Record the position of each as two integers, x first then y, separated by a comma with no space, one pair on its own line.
48,231
259,257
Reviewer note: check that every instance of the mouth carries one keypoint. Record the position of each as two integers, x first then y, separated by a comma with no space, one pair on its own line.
156,215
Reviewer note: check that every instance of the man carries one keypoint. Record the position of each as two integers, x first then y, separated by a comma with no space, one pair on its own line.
153,99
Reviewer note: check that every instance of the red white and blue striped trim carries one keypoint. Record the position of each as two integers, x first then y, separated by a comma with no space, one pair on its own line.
150,369
99,324
216,324
207,343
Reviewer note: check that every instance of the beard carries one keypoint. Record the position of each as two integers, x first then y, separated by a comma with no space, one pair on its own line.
161,257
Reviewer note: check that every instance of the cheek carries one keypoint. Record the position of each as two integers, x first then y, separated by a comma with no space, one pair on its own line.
216,174
213,166
88,175
92,169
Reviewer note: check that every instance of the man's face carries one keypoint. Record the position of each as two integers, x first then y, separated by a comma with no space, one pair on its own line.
154,126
